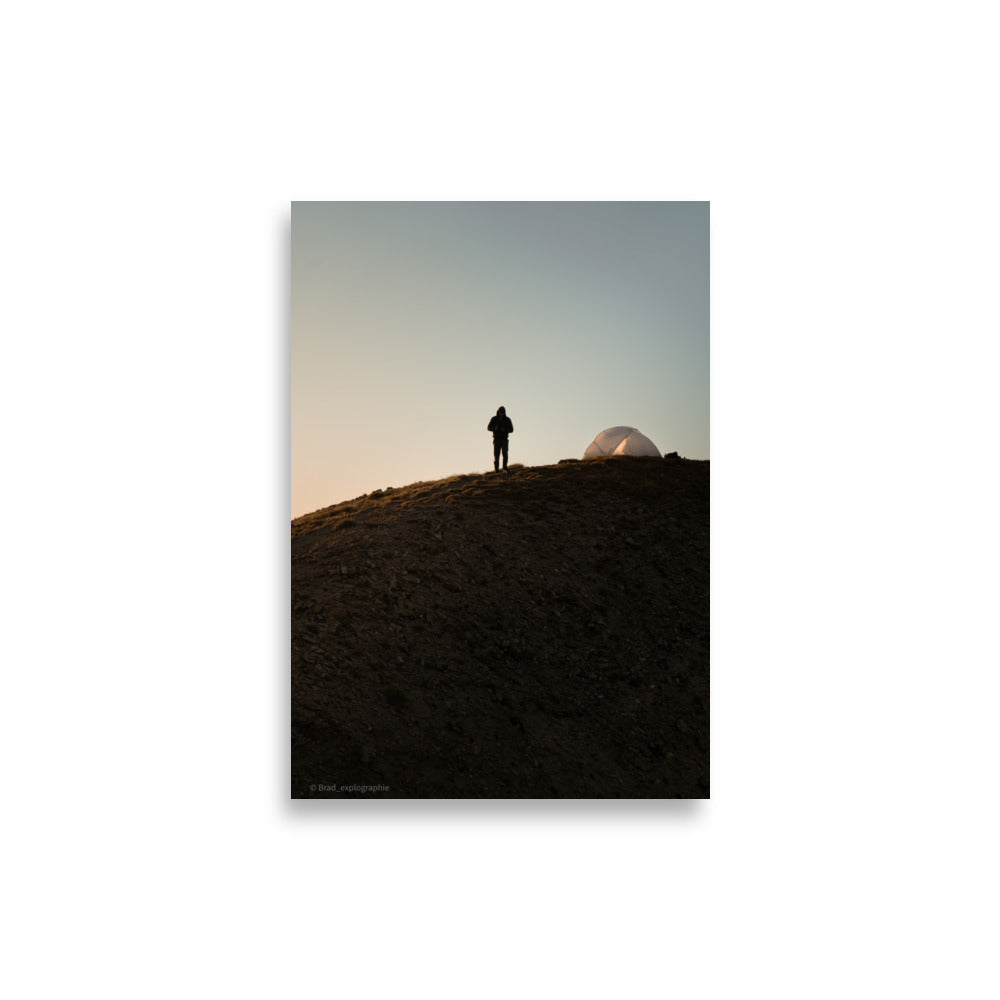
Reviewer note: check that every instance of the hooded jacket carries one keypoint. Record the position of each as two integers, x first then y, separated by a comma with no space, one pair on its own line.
501,425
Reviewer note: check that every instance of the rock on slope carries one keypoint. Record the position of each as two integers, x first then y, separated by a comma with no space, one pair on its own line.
543,633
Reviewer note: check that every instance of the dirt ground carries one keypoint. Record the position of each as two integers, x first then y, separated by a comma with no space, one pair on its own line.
543,633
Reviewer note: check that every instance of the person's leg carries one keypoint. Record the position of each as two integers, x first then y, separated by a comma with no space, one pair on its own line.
505,455
496,455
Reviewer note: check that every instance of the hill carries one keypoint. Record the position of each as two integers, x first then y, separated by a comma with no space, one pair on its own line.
543,633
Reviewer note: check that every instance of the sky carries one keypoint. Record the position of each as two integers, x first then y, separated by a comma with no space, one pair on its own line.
413,321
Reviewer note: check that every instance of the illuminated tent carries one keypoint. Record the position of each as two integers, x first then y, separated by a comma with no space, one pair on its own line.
621,441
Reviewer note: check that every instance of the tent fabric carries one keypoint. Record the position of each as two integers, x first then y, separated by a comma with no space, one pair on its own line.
621,441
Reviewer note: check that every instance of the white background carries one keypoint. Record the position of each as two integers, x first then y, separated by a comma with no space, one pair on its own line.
849,847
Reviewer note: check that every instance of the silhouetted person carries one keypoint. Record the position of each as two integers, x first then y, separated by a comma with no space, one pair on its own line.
501,427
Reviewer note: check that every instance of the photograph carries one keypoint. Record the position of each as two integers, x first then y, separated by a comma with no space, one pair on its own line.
626,376
500,491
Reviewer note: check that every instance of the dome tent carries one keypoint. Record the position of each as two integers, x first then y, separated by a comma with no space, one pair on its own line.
621,441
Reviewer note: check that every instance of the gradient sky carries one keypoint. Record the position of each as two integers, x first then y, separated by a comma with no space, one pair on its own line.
413,321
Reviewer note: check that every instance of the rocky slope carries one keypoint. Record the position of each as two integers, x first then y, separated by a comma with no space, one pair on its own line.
543,633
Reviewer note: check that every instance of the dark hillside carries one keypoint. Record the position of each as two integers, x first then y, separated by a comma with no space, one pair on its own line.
539,634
